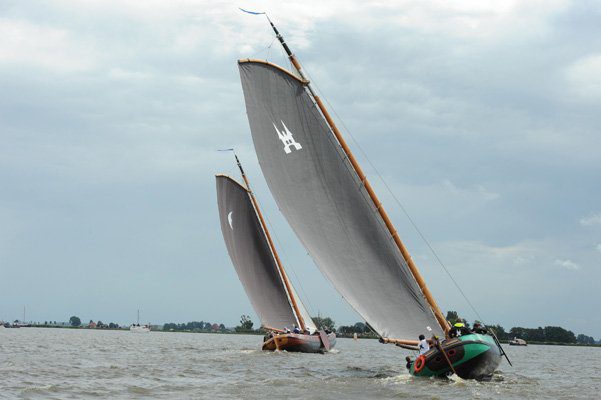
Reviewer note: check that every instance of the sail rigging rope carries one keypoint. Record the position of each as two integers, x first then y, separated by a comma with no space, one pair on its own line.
269,49
405,212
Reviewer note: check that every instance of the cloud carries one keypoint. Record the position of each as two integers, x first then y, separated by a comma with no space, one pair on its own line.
26,44
129,76
598,247
467,18
567,264
584,77
594,219
479,253
525,257
475,191
468,112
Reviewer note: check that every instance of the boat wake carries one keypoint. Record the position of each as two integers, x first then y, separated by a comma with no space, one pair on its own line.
398,379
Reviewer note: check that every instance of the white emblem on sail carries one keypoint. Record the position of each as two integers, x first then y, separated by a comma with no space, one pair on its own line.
286,138
229,219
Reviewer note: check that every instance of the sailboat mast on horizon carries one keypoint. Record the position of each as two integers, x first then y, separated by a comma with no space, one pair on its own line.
137,328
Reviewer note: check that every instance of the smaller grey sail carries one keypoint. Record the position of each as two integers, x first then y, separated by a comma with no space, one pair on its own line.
252,257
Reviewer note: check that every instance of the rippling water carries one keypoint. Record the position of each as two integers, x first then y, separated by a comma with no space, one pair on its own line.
63,363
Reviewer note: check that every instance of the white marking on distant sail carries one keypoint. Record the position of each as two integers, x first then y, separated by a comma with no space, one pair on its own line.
286,138
229,219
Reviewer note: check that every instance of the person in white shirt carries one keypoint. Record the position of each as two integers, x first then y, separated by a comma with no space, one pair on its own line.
423,345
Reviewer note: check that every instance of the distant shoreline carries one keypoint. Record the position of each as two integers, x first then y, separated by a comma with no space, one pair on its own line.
259,333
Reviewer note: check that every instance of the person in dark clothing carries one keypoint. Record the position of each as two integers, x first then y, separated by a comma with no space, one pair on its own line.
478,328
459,329
409,362
464,330
452,333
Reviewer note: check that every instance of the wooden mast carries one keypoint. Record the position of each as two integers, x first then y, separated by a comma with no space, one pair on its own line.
412,267
287,285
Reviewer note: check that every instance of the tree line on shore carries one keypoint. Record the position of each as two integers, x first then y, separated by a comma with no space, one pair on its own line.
194,326
75,321
547,334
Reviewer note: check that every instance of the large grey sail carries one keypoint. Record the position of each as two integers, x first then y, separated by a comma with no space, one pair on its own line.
251,255
327,206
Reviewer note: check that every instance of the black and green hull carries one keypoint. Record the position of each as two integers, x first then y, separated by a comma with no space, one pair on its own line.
473,356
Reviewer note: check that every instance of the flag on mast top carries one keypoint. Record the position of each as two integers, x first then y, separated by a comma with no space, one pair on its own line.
251,12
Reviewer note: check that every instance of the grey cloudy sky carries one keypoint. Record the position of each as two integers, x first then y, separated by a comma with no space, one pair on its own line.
482,117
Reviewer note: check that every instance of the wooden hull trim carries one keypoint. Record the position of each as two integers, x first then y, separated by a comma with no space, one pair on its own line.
294,342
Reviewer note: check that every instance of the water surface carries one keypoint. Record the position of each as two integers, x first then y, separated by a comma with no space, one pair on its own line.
37,363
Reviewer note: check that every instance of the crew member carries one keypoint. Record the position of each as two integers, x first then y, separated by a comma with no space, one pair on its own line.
423,345
459,329
478,328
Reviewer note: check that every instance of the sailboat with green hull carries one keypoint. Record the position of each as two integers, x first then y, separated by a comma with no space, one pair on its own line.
326,198
472,356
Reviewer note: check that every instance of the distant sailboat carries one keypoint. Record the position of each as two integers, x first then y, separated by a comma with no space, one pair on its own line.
137,328
518,342
327,200
261,272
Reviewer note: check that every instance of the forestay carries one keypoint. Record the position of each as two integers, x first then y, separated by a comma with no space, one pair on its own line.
327,206
252,257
